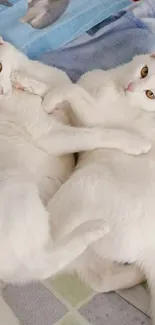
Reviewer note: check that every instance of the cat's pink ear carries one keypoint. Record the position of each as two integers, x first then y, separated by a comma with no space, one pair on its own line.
153,55
1,40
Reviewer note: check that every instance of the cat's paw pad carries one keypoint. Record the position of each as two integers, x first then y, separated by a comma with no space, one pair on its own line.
18,86
17,80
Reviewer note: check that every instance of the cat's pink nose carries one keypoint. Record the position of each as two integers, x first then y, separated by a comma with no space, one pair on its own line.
130,87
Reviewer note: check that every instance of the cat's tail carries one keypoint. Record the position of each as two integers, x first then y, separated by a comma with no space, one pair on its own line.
30,253
65,251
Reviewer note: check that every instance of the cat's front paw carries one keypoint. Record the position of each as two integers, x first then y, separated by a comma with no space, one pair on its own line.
51,101
137,146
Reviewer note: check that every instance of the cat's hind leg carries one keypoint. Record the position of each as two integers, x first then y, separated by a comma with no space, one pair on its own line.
105,275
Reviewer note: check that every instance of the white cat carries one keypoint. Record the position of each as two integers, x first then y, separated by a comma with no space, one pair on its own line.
31,171
108,183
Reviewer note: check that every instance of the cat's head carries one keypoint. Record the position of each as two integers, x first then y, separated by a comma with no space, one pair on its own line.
7,62
139,81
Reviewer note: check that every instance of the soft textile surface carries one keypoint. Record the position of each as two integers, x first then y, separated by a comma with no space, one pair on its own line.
118,39
79,16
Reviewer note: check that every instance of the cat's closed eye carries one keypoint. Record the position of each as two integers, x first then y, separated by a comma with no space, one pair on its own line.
150,94
1,67
144,71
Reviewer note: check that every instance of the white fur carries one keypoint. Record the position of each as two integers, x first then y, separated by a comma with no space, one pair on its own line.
31,169
109,184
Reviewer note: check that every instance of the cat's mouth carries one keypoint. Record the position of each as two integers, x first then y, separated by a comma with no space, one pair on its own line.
125,90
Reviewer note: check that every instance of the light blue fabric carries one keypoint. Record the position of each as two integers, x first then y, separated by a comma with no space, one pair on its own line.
79,16
115,41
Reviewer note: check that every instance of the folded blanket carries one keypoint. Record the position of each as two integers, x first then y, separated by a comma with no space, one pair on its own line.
49,24
110,43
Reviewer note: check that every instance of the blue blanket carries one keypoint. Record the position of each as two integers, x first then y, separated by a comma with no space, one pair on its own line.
51,24
112,42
